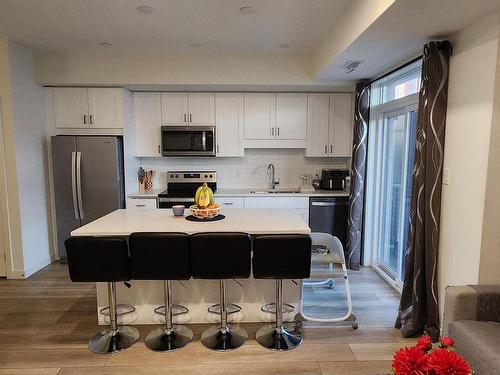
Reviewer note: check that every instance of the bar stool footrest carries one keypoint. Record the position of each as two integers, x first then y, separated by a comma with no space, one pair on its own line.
271,308
121,309
231,308
176,310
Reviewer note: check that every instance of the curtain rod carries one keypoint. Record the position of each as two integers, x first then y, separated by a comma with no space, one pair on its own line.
395,70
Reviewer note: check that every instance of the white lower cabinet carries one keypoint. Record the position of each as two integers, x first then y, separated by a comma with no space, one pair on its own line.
138,203
230,202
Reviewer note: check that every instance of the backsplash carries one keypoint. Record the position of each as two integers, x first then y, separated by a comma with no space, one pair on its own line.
249,171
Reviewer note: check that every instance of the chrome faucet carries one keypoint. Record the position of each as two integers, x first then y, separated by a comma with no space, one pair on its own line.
274,181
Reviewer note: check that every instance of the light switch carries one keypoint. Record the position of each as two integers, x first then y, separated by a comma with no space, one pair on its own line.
446,176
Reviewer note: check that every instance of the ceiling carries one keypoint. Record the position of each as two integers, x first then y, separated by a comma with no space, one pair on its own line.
216,25
401,31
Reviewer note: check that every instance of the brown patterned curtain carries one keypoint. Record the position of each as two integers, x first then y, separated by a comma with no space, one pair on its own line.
419,309
358,175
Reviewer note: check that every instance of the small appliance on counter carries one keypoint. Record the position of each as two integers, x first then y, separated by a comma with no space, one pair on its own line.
334,179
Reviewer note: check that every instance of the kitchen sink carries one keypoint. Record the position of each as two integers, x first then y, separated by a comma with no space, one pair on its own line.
275,191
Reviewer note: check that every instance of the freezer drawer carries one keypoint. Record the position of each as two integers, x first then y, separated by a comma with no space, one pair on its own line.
329,215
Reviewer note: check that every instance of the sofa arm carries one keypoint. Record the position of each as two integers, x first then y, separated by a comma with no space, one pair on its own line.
460,303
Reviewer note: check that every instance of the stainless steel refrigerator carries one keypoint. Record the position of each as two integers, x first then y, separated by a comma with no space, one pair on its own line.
88,181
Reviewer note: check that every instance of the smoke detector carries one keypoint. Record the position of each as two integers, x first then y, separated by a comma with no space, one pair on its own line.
351,65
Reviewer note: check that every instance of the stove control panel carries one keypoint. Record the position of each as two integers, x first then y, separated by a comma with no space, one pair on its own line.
190,176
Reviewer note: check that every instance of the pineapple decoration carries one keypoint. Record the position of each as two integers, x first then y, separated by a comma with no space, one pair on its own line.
204,196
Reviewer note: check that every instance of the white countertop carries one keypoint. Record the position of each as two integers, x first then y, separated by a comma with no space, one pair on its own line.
248,220
246,193
153,194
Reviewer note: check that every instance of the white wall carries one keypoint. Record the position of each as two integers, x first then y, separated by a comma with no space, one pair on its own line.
470,104
30,137
249,171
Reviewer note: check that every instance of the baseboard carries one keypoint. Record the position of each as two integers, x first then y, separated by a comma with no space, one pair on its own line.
37,267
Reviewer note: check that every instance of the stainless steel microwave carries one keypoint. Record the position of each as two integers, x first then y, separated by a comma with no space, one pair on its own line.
188,140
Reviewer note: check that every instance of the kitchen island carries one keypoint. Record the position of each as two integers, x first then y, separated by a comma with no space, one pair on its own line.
197,295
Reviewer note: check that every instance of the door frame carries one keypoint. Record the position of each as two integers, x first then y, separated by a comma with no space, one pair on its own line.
375,174
5,242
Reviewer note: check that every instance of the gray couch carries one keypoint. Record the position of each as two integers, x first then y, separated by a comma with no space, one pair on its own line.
471,319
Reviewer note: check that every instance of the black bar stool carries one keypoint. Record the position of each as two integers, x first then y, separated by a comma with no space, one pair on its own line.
163,256
102,259
221,256
281,257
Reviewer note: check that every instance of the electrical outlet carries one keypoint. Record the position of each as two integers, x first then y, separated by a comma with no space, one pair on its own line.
446,176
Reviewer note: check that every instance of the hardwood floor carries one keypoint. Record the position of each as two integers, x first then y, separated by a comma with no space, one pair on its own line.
46,322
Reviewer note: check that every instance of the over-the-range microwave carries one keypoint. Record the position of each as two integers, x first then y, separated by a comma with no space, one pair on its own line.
188,141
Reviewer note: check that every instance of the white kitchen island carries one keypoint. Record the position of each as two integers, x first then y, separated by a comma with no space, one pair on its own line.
197,295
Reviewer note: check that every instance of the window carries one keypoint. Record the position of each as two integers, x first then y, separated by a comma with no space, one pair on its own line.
392,133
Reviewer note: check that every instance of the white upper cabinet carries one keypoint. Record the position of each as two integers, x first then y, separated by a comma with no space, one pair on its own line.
330,125
229,124
291,116
318,113
174,108
260,115
341,117
147,122
201,109
105,107
88,108
71,107
184,109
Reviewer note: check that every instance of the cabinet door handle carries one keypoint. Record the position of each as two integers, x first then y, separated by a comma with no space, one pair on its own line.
184,117
140,205
331,149
278,131
91,121
84,119
272,131
326,149
218,149
228,203
159,150
190,118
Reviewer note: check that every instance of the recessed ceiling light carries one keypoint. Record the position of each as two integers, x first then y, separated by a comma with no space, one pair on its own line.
285,45
196,45
146,9
247,10
105,44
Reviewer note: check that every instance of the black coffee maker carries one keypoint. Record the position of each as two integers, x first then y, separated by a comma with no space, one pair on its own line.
333,179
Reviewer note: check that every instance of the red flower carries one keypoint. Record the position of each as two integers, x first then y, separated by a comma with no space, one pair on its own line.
446,342
410,361
424,343
446,362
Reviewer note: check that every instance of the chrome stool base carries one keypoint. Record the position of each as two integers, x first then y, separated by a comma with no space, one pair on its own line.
224,339
278,338
164,340
113,341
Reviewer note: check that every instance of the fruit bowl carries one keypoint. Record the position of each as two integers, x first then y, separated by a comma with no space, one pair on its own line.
205,213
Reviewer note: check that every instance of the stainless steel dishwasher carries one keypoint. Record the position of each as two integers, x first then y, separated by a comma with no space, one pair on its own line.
329,215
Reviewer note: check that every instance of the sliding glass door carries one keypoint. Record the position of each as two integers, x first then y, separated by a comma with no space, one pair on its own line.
397,133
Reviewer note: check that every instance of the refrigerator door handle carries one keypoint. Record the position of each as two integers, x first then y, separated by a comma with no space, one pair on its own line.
79,182
73,183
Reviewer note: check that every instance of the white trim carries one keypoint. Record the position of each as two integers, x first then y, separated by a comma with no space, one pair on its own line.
387,278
